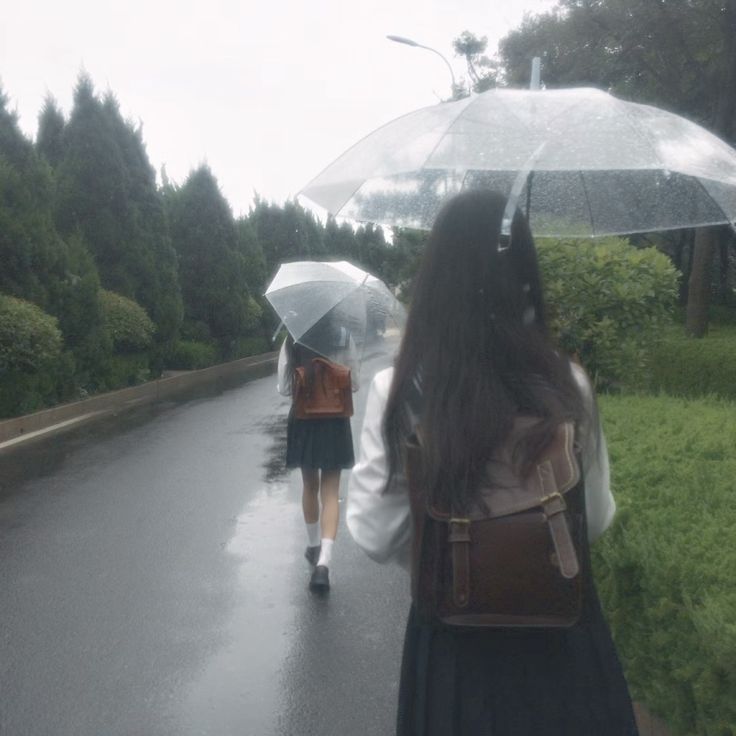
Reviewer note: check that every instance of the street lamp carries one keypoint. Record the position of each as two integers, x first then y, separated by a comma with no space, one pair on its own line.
409,42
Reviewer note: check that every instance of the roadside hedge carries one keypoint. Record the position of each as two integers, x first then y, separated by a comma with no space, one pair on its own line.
130,327
30,339
685,366
34,371
608,303
188,355
666,571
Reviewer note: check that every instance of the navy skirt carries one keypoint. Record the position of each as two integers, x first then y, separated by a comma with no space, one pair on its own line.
325,444
503,682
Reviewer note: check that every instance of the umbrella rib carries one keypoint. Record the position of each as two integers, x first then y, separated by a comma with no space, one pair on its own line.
587,202
448,129
731,223
357,143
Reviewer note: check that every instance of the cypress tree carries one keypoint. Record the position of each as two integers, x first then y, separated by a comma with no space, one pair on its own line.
108,194
36,263
49,140
211,268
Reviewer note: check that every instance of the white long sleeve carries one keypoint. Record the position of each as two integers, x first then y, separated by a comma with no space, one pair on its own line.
380,522
600,506
283,384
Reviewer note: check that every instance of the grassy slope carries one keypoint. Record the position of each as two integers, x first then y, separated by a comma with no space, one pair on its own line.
667,569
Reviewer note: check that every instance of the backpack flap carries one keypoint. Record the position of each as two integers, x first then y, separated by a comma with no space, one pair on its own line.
324,392
511,561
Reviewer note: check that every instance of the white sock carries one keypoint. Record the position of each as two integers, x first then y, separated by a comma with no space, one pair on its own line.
313,534
325,554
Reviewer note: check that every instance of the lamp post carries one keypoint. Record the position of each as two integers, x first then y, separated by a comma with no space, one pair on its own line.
409,42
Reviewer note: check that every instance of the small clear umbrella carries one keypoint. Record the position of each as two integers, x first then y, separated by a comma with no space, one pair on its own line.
592,164
321,302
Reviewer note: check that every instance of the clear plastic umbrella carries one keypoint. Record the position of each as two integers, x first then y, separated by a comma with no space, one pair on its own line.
321,303
591,164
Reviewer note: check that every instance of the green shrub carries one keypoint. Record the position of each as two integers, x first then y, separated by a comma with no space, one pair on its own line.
685,366
253,315
666,571
126,369
129,326
30,339
247,346
187,355
608,302
33,369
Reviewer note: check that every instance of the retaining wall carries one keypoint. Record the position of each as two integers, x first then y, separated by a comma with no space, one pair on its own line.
59,417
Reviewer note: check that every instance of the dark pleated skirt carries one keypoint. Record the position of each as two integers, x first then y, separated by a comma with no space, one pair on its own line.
326,444
494,682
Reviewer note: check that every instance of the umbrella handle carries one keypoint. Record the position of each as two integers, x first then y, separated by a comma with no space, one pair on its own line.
278,329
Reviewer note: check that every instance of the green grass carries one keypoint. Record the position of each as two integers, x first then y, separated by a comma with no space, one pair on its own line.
683,366
666,571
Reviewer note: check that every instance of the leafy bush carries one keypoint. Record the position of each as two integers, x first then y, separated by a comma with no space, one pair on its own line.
129,326
33,369
30,339
187,355
684,366
608,302
126,369
666,571
247,346
253,314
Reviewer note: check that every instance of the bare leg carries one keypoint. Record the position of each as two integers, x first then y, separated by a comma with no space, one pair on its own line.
329,493
310,495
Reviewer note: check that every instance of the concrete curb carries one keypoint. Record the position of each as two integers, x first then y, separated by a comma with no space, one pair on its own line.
65,416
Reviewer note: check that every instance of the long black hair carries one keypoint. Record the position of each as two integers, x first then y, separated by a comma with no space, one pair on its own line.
475,352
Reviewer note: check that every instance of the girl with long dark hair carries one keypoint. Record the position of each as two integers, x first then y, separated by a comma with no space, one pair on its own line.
476,355
320,448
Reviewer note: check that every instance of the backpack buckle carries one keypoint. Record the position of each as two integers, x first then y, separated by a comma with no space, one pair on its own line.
459,530
553,503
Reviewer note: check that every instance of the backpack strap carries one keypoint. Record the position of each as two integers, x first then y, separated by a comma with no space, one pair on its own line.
459,540
554,506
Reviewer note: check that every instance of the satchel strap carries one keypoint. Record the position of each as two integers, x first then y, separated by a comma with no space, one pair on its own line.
554,506
459,540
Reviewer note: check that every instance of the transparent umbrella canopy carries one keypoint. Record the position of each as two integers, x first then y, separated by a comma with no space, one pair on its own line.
319,302
592,164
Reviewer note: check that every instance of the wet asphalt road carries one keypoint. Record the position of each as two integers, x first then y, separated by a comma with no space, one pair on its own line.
152,583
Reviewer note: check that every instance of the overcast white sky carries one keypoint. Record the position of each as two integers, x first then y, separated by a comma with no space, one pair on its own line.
267,93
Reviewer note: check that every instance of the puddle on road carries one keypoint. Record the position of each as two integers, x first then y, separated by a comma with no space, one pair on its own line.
237,690
274,462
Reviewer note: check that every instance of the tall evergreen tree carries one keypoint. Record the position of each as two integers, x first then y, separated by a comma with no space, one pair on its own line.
50,137
107,193
372,250
287,233
340,240
254,261
211,268
36,264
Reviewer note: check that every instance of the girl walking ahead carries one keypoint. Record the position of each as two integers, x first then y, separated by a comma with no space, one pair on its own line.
321,448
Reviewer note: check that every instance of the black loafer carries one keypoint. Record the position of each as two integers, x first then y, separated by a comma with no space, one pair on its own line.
312,554
320,582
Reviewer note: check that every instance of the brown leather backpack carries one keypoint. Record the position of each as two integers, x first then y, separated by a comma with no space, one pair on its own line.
324,392
515,559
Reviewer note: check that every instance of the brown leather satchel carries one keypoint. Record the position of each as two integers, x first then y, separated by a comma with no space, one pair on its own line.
324,392
515,559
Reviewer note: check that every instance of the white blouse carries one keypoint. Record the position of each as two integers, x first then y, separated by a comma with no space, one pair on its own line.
381,522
